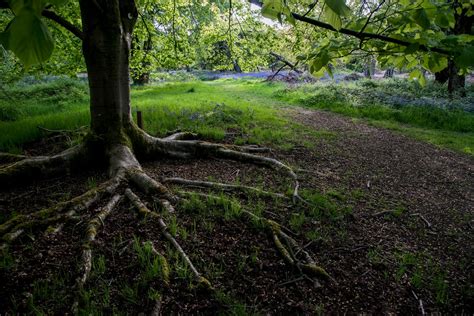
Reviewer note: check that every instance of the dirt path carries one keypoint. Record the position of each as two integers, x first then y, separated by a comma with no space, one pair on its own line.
384,257
417,248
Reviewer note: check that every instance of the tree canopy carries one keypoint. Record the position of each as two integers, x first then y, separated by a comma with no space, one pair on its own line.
172,34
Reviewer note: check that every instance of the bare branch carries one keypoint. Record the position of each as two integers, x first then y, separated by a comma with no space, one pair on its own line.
370,16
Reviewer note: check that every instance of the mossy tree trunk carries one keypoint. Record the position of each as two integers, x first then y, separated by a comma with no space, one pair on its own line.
107,28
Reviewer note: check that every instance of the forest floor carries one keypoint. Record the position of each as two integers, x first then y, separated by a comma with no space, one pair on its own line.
393,228
390,217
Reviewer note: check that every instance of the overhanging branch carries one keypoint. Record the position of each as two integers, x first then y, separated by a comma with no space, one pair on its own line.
53,16
362,35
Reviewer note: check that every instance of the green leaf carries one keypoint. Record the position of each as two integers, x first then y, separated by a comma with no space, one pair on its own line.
442,20
320,61
272,9
435,62
333,18
275,9
29,38
57,3
18,5
421,18
289,16
411,61
329,71
338,6
418,76
466,57
412,48
333,11
4,40
301,57
400,62
318,74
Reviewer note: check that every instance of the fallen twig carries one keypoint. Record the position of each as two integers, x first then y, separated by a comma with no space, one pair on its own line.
427,223
420,303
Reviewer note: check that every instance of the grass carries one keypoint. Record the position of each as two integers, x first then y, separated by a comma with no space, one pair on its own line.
209,109
248,108
428,114
423,273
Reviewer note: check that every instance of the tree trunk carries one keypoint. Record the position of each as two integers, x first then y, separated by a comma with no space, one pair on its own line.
142,79
463,25
388,73
236,66
456,82
107,27
369,71
442,76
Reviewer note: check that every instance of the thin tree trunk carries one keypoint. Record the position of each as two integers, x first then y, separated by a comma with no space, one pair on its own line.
388,73
456,81
236,66
369,71
442,76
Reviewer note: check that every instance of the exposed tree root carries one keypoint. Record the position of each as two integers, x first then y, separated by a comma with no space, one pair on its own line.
156,147
10,158
181,136
40,167
288,249
63,212
164,262
91,233
124,169
144,211
63,131
223,187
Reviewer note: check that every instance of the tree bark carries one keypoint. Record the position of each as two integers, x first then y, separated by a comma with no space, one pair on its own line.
107,28
388,73
442,76
236,66
463,25
456,81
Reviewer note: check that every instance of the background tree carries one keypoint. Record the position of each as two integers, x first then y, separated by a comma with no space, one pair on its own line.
405,34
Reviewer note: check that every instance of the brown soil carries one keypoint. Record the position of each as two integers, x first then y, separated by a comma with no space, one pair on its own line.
379,263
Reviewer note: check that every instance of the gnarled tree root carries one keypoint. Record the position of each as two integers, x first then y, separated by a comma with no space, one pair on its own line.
223,187
124,169
40,167
288,249
144,211
156,147
91,233
63,212
6,158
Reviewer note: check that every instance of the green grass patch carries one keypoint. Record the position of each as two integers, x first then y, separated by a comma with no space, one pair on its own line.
208,108
428,114
424,273
250,109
